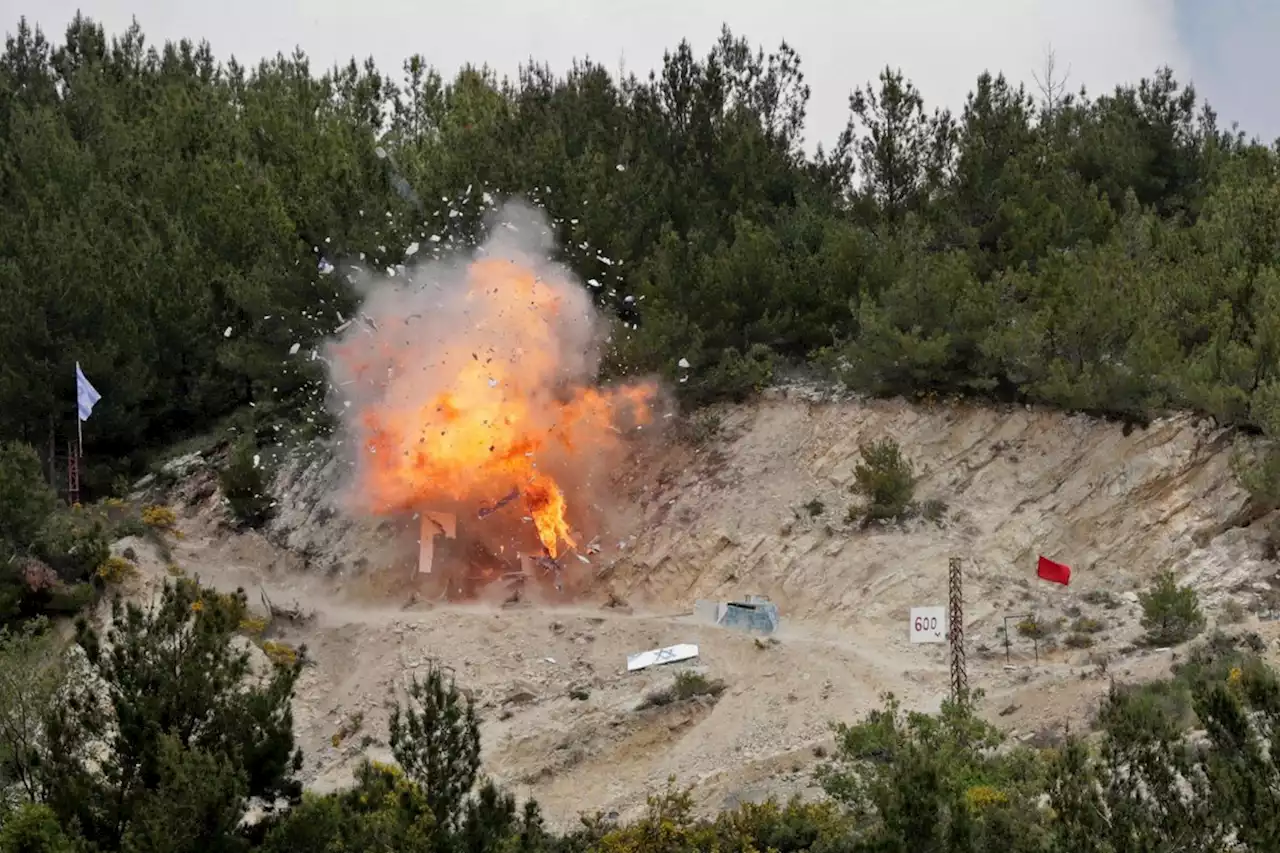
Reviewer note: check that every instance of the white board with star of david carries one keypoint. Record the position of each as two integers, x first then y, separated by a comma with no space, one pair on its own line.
656,657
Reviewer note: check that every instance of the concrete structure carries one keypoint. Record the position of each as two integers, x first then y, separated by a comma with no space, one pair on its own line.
434,524
757,614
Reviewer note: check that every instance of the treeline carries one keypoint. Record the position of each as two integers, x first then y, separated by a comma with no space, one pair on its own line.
164,218
164,736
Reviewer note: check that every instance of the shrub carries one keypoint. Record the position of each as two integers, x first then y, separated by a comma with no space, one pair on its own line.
34,828
1101,598
435,737
127,526
1077,640
687,685
254,626
349,727
117,570
982,797
280,654
1170,613
245,486
26,501
74,546
184,707
31,675
734,377
1232,611
885,479
158,517
934,510
69,598
1087,625
699,428
1035,628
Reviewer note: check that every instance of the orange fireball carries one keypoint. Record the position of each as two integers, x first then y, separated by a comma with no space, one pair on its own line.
469,387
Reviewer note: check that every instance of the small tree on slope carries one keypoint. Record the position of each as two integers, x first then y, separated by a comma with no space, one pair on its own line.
168,704
1170,613
435,737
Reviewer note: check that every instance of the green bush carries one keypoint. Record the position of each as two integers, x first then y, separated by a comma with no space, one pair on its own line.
68,599
886,481
1078,640
1170,613
1087,625
1031,628
1232,611
74,544
1101,598
688,684
26,500
34,828
734,377
245,486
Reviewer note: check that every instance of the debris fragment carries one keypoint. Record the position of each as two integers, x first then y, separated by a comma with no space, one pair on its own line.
434,524
506,499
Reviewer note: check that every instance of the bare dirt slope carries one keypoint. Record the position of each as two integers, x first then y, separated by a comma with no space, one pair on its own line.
740,514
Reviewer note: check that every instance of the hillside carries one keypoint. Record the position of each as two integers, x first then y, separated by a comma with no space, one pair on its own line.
727,517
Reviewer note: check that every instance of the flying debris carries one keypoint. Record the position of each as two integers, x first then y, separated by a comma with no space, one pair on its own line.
508,498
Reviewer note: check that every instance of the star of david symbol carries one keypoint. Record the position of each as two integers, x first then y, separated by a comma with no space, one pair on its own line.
664,654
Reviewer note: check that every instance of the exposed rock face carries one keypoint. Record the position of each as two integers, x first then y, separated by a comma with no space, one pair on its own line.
738,515
1016,483
312,520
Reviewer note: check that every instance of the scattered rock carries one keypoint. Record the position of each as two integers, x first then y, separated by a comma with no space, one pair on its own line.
520,693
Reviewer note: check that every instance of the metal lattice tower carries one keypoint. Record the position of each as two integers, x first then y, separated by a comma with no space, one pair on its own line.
73,474
955,634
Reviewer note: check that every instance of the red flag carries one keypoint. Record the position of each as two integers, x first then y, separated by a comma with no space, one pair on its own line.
1056,572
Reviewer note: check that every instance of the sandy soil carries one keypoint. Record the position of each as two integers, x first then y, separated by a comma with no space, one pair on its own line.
562,717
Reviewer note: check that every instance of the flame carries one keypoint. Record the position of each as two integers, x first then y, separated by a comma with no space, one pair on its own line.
488,392
546,505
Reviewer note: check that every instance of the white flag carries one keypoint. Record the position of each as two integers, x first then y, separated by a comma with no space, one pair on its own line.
86,395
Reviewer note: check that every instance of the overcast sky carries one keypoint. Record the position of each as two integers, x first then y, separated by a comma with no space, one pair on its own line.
942,45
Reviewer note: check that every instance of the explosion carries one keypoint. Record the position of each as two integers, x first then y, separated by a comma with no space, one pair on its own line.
470,384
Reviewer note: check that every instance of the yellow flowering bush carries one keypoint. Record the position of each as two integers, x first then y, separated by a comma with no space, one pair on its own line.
158,517
117,570
254,626
981,797
280,654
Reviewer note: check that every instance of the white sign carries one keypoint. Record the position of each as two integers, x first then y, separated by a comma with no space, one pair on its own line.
656,657
928,625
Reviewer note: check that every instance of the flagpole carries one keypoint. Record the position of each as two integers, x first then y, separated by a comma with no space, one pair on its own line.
86,398
75,491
